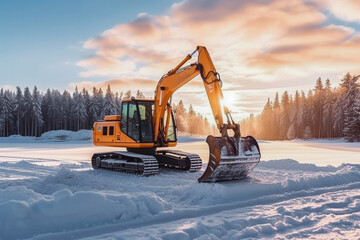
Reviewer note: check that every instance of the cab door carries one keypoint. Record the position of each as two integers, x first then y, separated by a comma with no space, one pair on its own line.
130,120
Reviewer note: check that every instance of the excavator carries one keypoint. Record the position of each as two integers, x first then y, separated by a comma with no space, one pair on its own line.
145,125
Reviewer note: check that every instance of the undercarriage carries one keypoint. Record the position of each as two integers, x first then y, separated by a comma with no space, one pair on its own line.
146,164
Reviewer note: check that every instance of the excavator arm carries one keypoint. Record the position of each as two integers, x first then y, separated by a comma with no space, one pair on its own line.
178,77
229,157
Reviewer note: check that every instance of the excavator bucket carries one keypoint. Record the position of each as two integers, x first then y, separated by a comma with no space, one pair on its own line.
230,158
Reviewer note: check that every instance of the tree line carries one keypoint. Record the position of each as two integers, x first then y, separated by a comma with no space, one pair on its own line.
31,113
325,112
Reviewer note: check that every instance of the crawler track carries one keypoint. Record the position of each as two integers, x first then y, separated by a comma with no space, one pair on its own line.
145,165
179,160
126,162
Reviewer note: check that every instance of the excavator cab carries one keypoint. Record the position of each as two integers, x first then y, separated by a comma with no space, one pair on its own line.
137,121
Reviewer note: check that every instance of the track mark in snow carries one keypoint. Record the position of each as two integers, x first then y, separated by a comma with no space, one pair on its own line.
298,199
286,194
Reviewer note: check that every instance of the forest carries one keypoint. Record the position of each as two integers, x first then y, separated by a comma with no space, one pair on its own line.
31,113
324,112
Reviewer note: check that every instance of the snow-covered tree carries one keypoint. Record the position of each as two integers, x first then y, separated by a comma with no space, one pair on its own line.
328,108
5,113
127,95
318,105
28,111
79,110
291,132
18,108
37,118
351,127
109,107
307,133
139,94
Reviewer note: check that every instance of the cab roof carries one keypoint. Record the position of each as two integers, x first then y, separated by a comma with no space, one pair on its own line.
137,99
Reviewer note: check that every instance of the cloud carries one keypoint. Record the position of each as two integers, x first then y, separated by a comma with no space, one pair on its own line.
106,66
119,85
8,87
147,86
261,45
348,10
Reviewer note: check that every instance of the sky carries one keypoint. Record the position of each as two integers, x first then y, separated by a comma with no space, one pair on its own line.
259,47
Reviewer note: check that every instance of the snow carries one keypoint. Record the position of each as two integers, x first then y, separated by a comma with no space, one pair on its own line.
48,190
53,136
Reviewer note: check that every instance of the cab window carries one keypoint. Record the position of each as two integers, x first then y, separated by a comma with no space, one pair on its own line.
111,130
136,120
133,122
105,130
145,109
124,114
172,129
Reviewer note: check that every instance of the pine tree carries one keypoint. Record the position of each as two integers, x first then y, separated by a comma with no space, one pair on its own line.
100,103
181,117
79,110
28,111
37,118
109,107
355,123
127,95
5,113
327,118
285,115
45,109
65,109
276,117
291,132
18,109
267,120
309,112
294,117
139,94
301,121
94,106
350,114
117,103
87,100
318,108
307,133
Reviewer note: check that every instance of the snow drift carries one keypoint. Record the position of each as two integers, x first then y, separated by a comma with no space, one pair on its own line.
48,190
69,199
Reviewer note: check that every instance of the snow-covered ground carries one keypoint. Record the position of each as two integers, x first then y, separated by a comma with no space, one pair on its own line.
301,189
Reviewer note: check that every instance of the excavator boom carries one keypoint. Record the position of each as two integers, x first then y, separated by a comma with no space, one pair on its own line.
237,164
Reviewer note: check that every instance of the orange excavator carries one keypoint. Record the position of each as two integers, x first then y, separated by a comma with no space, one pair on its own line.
147,124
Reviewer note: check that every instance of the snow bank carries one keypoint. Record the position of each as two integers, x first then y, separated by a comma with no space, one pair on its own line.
296,177
81,135
52,136
65,210
70,200
17,139
186,139
321,140
64,135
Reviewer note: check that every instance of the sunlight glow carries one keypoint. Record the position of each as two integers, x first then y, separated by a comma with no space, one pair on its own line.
229,100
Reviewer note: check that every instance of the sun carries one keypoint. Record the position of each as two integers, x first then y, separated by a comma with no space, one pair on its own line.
229,100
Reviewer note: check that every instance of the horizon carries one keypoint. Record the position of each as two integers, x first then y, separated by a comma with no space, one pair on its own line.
258,47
